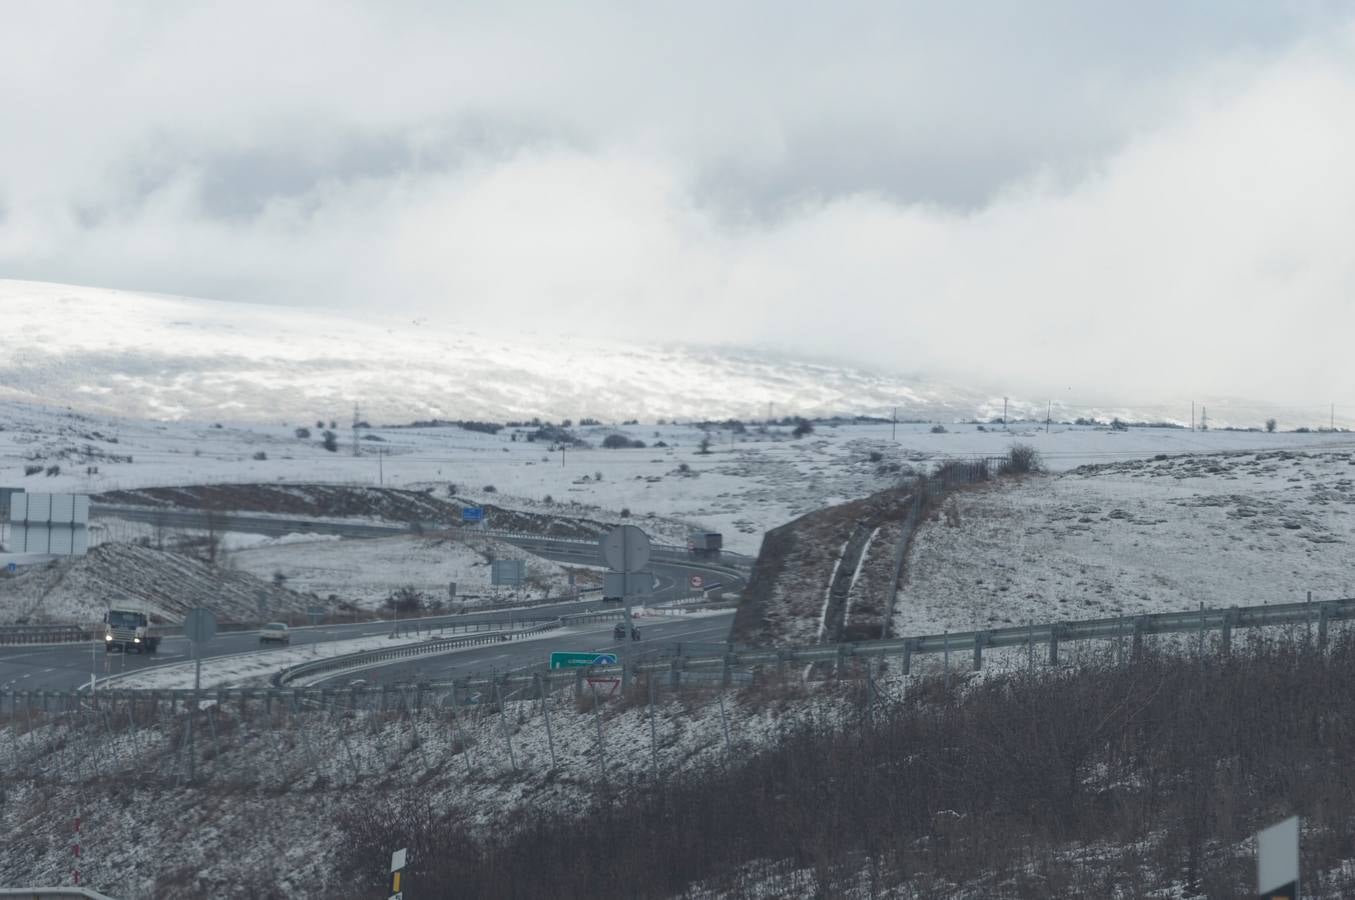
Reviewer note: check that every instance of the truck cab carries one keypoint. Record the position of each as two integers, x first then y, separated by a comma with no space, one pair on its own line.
129,630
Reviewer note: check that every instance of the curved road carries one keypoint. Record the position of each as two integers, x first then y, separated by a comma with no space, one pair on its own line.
67,666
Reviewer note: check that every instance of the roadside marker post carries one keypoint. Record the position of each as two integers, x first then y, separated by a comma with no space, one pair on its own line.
398,859
1277,861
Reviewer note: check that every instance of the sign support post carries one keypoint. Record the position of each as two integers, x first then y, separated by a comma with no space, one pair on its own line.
398,874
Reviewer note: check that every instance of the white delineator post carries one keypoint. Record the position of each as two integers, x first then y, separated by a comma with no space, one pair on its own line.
1277,861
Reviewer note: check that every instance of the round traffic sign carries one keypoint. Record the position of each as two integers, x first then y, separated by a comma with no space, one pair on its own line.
696,581
626,549
199,625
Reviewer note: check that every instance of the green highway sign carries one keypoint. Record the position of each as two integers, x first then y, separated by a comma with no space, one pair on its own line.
567,660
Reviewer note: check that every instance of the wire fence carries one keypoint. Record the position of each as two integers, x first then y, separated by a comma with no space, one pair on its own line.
501,723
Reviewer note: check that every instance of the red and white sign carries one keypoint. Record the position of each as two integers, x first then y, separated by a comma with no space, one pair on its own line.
696,582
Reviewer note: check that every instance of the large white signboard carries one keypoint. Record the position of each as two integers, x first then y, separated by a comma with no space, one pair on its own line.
56,524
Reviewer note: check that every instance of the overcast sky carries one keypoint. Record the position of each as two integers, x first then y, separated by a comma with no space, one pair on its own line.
1118,200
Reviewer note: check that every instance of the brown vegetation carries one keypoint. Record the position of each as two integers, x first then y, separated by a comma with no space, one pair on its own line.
1101,781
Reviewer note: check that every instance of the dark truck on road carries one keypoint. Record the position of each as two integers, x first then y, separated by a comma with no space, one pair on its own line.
705,544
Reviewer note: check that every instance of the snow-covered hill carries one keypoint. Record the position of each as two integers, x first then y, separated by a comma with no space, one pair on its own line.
158,357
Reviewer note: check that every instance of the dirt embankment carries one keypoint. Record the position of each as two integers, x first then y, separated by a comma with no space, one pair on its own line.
165,584
820,572
346,501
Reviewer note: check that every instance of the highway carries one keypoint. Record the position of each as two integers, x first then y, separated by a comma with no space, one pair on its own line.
657,635
66,666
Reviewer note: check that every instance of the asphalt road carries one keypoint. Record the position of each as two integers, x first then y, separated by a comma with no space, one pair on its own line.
66,666
657,635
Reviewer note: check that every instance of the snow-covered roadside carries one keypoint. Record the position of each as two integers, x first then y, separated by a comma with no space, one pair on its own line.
269,779
1132,537
247,669
369,571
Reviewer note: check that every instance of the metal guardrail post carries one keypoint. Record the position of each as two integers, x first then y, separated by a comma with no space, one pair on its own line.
1323,614
1226,633
1140,626
978,650
1054,630
906,659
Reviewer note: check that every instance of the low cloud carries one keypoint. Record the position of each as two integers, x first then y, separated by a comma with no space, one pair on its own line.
1041,203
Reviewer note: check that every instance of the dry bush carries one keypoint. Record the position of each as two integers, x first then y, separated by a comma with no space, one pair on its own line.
1021,459
1163,768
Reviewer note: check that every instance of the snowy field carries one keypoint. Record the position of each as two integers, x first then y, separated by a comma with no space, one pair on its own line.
745,485
465,767
368,571
1136,537
162,357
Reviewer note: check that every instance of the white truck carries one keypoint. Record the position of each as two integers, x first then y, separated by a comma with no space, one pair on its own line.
129,630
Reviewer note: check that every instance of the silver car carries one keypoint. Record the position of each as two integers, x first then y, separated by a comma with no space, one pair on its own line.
276,632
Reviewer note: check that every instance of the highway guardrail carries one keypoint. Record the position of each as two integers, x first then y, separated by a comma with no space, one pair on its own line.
366,658
1317,615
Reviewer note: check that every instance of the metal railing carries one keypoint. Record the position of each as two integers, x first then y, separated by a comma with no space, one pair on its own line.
45,634
53,893
704,659
368,658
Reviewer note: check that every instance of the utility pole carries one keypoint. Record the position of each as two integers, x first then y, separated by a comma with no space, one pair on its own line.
1333,417
356,420
1004,412
1048,412
380,469
1192,415
894,426
1204,418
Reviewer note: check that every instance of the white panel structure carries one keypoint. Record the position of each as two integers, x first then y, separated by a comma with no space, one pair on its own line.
60,539
39,508
63,508
30,538
56,524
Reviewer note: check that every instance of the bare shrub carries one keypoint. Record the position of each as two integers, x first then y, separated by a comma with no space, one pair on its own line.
1021,459
1164,766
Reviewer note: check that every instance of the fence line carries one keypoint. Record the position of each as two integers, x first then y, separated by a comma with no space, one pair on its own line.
273,736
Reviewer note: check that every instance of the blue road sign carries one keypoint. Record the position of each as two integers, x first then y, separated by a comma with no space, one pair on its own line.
12,567
472,514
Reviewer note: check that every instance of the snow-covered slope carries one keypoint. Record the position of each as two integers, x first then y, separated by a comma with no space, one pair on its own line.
154,356
1135,537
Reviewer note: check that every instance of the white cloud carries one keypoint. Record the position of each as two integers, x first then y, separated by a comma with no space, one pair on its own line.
1078,202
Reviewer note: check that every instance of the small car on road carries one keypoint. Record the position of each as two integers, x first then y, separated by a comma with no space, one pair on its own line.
275,632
